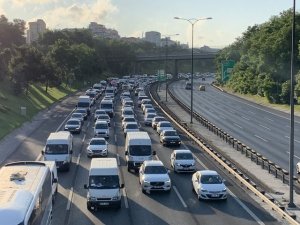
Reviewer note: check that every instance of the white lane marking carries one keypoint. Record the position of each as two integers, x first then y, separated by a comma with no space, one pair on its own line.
179,196
235,197
59,127
246,118
39,157
125,198
269,119
78,159
83,138
237,125
222,117
294,139
70,199
88,124
245,208
118,159
264,126
294,155
260,138
115,138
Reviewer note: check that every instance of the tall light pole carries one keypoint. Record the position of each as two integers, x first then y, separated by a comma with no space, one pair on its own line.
292,98
167,37
192,21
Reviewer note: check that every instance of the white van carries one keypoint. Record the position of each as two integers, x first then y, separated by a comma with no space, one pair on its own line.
84,101
53,170
137,149
59,148
26,195
108,107
103,184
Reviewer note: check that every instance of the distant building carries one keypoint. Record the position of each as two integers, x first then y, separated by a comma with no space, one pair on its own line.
167,41
99,30
132,39
35,29
153,37
184,46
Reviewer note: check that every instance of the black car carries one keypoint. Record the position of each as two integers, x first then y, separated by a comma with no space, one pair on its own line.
169,137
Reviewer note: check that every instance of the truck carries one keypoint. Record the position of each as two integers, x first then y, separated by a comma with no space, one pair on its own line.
59,148
138,148
104,188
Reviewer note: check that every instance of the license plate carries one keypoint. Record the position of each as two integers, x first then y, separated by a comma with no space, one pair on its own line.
104,203
172,142
215,195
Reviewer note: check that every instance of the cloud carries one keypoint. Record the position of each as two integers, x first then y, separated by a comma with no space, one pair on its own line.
77,15
21,3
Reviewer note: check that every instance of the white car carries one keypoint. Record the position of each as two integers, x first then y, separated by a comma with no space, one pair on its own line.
153,176
97,147
298,167
150,110
146,106
101,129
208,184
130,127
182,160
148,118
156,120
127,112
126,120
99,112
104,117
163,125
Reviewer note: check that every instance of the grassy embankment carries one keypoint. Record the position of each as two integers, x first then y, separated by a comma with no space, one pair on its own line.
263,101
36,100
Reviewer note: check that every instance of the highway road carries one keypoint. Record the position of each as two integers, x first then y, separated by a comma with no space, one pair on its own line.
263,129
180,206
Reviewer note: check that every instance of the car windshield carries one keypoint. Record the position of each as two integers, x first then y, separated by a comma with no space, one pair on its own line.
150,116
77,115
83,104
170,133
155,170
101,126
165,125
56,149
158,119
98,112
211,179
81,111
102,116
139,150
127,112
106,106
132,126
104,182
97,142
73,122
129,119
182,156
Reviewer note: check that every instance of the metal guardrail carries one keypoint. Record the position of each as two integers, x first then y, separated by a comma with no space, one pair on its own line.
226,164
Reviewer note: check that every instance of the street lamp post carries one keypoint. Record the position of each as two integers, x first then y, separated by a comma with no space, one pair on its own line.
192,21
166,60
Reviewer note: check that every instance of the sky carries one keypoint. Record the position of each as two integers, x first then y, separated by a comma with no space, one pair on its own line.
132,18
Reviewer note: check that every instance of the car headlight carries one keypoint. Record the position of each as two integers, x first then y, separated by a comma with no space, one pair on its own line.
224,190
66,128
146,182
92,198
116,197
203,190
77,128
168,181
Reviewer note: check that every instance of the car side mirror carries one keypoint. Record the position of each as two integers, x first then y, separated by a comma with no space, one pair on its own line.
126,152
43,152
154,153
85,186
71,151
122,186
54,180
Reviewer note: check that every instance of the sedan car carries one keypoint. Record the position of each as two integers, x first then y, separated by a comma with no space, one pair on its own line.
182,160
153,176
163,125
101,129
169,137
157,119
78,116
127,112
208,184
148,118
150,110
83,111
99,112
73,125
97,147
126,120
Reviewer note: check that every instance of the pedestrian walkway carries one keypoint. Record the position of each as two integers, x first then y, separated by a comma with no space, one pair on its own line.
278,190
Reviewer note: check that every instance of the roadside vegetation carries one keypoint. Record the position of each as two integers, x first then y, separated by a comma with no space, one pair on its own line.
262,60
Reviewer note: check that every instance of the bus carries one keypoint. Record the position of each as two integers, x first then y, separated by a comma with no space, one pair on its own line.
188,85
26,194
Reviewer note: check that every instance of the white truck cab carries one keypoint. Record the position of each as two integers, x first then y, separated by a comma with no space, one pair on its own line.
59,148
104,188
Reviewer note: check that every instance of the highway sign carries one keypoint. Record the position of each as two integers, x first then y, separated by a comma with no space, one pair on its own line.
227,67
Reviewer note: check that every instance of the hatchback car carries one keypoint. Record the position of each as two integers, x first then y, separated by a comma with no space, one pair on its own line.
208,184
169,137
163,125
97,147
153,176
101,129
182,160
73,125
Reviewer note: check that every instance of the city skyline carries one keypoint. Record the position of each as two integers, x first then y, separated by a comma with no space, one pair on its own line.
133,18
